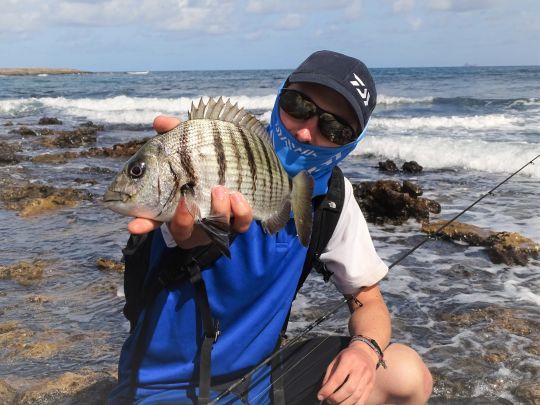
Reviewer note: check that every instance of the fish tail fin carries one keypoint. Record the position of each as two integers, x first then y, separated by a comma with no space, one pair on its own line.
301,195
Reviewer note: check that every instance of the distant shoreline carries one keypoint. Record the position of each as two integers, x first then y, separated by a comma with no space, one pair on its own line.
38,71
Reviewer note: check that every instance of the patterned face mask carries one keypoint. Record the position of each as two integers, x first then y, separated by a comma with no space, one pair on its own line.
296,156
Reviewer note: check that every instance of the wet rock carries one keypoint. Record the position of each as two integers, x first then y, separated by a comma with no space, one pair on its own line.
496,358
71,139
411,167
503,247
33,199
7,393
8,124
24,272
494,318
413,189
8,153
90,124
118,150
110,265
527,393
84,387
49,121
23,131
388,201
388,166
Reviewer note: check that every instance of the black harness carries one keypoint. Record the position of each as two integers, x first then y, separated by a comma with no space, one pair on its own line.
179,265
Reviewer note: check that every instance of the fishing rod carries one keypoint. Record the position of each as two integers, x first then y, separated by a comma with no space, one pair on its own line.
342,302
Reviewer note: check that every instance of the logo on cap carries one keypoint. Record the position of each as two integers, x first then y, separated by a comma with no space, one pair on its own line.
364,93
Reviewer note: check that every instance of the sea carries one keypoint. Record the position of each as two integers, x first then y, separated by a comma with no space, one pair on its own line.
475,323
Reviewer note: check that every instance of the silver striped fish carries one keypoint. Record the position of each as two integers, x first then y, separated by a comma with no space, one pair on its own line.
219,144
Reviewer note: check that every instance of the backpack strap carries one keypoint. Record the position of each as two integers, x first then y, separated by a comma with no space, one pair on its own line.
324,222
178,265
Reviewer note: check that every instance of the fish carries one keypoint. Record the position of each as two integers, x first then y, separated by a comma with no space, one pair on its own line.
219,144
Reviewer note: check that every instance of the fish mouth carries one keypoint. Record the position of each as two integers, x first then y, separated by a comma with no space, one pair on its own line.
115,196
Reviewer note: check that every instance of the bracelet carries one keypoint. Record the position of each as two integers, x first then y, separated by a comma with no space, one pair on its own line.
374,346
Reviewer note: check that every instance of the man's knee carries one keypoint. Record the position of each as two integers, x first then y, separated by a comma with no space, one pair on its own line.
407,379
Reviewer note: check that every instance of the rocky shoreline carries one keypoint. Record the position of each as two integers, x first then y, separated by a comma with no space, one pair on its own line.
39,71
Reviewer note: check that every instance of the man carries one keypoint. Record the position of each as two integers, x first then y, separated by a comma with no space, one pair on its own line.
320,115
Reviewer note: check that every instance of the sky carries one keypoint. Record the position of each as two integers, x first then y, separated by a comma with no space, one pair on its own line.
128,35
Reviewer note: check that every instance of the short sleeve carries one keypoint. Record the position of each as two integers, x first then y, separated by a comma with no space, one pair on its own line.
350,254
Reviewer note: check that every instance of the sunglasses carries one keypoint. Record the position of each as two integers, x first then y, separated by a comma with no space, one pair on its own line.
332,127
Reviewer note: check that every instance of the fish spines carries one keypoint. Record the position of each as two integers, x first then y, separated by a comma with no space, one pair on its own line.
226,111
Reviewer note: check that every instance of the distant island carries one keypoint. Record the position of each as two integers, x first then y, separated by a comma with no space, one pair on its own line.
38,71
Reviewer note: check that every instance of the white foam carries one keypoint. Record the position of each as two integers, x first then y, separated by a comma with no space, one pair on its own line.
124,109
475,123
389,100
441,153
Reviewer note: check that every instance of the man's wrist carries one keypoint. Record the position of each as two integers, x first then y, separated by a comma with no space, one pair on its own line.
371,347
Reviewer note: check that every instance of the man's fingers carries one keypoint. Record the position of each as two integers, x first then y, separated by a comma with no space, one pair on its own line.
241,211
221,203
163,123
181,224
334,380
142,225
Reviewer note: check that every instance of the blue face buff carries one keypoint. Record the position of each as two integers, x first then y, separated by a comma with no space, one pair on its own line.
296,156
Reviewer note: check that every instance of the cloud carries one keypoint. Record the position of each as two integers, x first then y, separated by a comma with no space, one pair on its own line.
400,6
463,5
291,21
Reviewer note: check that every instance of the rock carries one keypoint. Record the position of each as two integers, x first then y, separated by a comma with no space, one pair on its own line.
414,190
527,393
49,121
8,153
84,387
496,358
388,166
7,393
411,167
90,124
503,247
495,319
511,248
389,201
23,131
109,264
71,139
34,198
24,272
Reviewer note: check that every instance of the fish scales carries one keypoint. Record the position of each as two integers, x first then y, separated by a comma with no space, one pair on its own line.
220,144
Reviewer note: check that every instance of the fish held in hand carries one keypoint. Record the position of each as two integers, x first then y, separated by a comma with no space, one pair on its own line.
219,144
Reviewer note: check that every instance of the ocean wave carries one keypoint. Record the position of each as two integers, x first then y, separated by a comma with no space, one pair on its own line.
449,153
513,103
475,122
121,109
389,100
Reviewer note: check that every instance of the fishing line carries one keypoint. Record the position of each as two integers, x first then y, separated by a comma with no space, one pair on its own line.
325,316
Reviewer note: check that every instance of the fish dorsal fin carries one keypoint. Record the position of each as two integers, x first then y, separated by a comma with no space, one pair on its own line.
225,111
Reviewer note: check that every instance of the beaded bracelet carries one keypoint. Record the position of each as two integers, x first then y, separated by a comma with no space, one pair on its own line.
374,345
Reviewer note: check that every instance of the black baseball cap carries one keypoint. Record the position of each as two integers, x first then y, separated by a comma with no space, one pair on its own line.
348,76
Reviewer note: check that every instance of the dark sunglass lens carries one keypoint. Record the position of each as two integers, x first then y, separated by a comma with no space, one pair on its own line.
293,103
334,130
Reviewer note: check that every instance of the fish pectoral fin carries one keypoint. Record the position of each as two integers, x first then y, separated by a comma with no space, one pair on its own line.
217,228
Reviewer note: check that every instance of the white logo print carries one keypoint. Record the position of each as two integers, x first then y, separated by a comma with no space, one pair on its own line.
363,93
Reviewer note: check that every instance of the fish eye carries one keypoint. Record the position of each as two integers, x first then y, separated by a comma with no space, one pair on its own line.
136,169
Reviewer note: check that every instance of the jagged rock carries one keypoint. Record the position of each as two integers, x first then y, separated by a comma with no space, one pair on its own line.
8,124
23,131
117,150
495,318
527,393
24,272
90,124
389,201
413,189
411,167
7,393
85,387
8,153
71,139
32,199
388,166
49,121
503,247
109,264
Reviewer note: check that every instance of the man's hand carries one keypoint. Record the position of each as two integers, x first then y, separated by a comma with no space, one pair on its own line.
350,377
225,203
